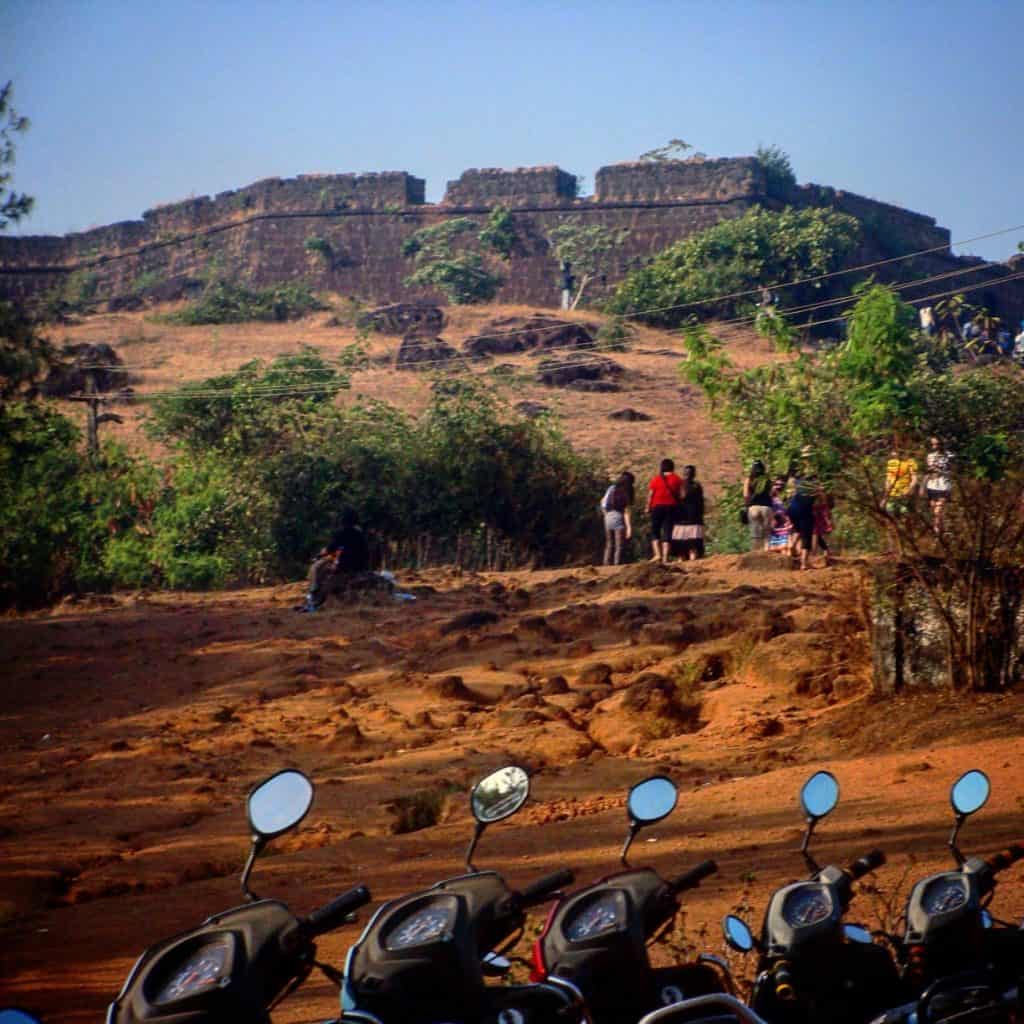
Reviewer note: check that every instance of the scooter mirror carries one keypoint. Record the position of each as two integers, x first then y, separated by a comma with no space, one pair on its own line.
970,792
651,800
499,795
737,933
855,933
279,803
17,1017
819,795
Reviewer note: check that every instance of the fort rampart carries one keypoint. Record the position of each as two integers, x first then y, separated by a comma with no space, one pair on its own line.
344,232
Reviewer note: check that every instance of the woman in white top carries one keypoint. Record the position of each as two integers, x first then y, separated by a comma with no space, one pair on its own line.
618,526
937,483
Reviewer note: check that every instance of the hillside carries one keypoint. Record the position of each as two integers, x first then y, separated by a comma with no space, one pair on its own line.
160,356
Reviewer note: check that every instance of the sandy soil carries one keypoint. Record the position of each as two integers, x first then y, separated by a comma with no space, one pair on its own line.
133,727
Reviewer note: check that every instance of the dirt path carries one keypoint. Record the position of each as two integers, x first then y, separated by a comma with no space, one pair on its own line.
132,728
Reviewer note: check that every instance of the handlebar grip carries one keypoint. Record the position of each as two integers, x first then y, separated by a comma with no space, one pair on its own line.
1013,853
332,915
862,865
692,878
540,890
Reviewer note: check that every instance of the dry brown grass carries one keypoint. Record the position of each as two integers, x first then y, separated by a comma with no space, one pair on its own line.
162,356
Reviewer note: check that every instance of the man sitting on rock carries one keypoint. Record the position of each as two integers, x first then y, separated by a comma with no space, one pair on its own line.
342,567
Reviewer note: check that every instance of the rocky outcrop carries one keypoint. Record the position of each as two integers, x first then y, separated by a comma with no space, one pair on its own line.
403,318
421,353
99,360
577,367
521,334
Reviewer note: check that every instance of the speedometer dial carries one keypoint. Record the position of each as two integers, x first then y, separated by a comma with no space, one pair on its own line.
598,917
807,905
943,895
424,925
203,970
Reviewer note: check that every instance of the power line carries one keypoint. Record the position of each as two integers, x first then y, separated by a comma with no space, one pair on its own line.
611,346
711,300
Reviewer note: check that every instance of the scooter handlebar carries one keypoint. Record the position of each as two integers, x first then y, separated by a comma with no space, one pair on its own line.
862,865
540,890
692,878
332,915
1005,858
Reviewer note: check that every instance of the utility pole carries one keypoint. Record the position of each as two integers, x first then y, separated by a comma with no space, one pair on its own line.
94,417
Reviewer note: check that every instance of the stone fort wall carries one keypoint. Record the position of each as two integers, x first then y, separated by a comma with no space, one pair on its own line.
259,233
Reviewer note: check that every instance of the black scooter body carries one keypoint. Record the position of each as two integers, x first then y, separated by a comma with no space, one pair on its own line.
611,965
401,970
245,967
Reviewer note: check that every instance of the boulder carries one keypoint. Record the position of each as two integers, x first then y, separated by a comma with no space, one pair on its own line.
562,372
422,353
600,386
521,334
100,359
630,415
403,318
531,410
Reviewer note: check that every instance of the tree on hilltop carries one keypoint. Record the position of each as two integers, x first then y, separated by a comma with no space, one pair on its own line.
13,205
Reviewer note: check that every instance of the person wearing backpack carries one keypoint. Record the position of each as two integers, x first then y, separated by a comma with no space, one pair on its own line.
757,497
618,526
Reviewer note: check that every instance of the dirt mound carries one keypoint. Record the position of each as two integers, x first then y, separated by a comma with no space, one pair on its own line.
652,708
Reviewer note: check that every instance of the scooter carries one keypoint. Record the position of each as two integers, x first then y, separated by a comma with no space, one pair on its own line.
238,965
598,937
811,967
955,958
423,958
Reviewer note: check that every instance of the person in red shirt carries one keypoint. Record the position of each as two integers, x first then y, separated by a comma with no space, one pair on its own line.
663,497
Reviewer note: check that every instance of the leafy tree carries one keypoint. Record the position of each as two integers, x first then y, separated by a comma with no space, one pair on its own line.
444,258
888,386
737,256
227,302
590,248
778,169
13,205
499,234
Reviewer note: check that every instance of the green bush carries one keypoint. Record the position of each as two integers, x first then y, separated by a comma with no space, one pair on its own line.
760,248
224,302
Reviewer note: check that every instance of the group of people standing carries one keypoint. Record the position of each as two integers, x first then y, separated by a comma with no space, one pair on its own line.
792,513
675,505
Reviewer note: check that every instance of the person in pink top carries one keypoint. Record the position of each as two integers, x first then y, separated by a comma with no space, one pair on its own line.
663,497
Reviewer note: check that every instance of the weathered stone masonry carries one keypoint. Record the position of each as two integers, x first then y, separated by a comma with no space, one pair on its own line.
259,232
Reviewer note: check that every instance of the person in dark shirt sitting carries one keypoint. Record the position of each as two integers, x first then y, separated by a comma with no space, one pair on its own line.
345,558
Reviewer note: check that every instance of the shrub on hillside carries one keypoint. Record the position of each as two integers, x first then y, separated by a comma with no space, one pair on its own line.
736,256
225,302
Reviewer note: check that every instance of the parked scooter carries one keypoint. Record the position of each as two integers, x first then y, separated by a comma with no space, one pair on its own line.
813,968
598,937
955,959
238,965
423,958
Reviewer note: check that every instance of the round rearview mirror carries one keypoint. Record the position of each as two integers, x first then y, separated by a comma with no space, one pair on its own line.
17,1017
737,934
279,803
986,919
855,933
819,795
970,792
651,800
500,794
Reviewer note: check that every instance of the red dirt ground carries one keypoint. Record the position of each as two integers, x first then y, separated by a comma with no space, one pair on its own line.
134,726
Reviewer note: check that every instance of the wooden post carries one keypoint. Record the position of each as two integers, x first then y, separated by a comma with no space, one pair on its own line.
93,417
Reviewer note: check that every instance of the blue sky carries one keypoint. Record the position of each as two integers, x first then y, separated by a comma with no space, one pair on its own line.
135,104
